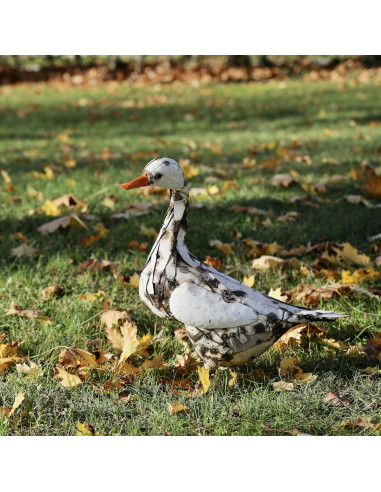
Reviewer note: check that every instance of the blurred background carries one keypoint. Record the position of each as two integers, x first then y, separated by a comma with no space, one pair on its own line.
92,68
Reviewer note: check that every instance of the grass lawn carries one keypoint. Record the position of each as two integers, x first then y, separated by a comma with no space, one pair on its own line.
94,138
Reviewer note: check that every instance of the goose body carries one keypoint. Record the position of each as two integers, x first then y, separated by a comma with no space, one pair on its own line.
227,322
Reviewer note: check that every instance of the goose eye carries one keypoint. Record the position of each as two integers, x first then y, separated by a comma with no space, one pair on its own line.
158,176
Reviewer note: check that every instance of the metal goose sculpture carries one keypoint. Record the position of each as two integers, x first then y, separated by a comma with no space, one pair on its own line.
227,322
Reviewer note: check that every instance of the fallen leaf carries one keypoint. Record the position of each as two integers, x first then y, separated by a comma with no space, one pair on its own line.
85,429
204,378
233,380
373,186
5,176
249,281
335,399
177,407
66,379
296,335
51,209
24,250
71,220
94,265
264,262
213,262
284,180
249,210
283,386
288,217
359,276
96,296
227,249
373,347
74,357
349,254
27,313
20,236
18,400
52,291
33,371
277,294
111,318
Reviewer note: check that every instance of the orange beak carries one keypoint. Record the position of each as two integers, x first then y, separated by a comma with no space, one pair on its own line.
142,180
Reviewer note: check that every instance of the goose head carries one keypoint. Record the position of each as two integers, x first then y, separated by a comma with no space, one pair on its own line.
162,172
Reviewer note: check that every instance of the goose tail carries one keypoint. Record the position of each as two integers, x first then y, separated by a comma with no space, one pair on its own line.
308,315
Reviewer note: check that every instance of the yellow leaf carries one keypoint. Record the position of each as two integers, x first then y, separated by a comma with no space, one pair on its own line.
18,400
108,202
350,255
50,209
66,379
188,170
96,296
276,294
359,276
212,190
249,281
111,318
85,429
226,248
134,280
233,380
177,407
32,193
20,236
69,163
204,378
370,370
6,176
334,344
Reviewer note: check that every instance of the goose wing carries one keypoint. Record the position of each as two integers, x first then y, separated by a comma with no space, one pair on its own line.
194,305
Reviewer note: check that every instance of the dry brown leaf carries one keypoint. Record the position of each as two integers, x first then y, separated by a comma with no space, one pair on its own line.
249,210
283,386
74,357
52,291
71,220
284,180
373,347
213,262
296,335
288,217
94,265
111,318
24,250
27,313
335,399
373,186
